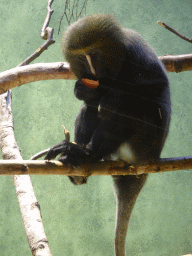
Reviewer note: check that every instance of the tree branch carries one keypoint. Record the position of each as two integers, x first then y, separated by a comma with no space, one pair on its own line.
29,206
174,31
177,63
46,34
35,72
50,41
41,167
72,13
61,70
44,30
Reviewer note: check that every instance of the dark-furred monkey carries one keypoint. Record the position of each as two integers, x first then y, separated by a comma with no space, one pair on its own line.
126,116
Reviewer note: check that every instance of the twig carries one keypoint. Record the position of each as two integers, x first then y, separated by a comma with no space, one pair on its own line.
41,49
46,34
174,31
67,134
69,13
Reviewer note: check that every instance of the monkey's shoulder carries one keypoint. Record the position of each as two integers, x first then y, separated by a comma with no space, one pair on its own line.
138,48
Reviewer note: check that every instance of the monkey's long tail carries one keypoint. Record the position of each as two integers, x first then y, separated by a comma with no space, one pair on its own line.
127,189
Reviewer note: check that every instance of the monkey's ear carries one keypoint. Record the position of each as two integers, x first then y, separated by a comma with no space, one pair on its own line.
90,83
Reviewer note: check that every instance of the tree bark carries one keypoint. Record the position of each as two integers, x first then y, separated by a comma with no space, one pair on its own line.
29,206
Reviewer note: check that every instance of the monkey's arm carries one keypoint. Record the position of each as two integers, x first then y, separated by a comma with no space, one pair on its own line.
76,154
85,125
103,139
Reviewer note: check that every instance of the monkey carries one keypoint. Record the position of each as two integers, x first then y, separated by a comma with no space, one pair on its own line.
126,107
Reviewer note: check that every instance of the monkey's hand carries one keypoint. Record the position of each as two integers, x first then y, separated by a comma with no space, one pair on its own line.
85,93
72,154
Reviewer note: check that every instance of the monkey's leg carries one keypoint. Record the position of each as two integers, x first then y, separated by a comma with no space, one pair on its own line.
85,124
127,189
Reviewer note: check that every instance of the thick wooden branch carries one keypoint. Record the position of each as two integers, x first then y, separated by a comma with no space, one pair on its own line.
177,63
41,167
26,74
61,70
29,207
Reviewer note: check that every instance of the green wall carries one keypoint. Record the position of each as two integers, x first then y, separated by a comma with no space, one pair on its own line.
79,220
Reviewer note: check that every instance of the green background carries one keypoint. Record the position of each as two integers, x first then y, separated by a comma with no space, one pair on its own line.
79,220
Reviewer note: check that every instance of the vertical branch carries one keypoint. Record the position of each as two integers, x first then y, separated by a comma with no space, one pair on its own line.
29,206
47,19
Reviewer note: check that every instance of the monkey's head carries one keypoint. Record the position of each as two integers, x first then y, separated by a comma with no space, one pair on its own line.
94,46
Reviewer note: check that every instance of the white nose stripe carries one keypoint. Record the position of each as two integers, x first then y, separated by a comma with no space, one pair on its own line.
90,64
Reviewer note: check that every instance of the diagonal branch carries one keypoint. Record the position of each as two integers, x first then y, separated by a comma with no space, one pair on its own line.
41,49
174,31
46,34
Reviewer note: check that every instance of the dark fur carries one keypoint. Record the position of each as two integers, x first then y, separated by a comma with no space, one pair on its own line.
133,99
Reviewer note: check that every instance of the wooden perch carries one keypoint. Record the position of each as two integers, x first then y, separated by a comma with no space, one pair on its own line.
29,206
61,70
26,74
41,167
177,63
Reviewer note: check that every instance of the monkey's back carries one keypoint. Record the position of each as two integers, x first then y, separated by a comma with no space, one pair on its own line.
141,102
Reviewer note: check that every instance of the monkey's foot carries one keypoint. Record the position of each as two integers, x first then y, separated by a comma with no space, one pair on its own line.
72,154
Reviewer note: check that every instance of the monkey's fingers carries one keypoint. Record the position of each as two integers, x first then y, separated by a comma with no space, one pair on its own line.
90,83
55,151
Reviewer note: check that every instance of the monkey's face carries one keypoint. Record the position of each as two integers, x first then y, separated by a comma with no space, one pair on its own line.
88,64
94,47
97,62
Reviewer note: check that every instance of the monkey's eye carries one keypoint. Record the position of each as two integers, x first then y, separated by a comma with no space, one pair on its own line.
95,55
81,58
